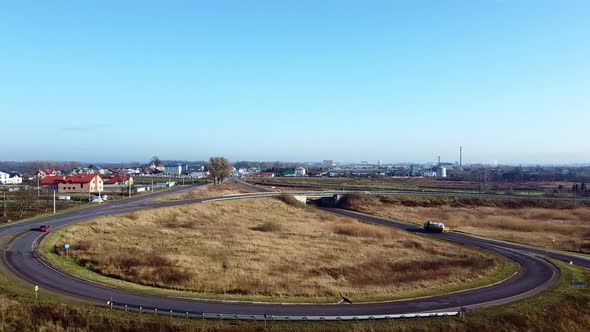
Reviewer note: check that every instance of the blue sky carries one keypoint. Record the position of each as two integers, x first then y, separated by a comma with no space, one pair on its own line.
296,80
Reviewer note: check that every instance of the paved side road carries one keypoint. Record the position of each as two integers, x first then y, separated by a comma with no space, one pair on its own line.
466,239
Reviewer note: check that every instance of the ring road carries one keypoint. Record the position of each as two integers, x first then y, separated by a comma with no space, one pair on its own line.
535,273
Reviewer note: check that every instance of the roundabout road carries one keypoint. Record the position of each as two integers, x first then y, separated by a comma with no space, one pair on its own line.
535,273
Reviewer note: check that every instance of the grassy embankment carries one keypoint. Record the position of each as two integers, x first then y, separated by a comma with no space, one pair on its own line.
555,224
562,308
266,250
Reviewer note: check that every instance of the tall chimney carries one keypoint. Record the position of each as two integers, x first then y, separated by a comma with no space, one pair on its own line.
439,160
460,156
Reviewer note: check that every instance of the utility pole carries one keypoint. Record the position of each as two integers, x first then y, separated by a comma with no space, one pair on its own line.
129,183
38,187
54,202
4,201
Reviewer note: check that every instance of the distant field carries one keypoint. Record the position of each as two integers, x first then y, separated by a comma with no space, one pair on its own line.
555,224
208,190
265,249
523,188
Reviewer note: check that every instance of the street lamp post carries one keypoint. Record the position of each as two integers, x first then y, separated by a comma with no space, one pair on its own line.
4,203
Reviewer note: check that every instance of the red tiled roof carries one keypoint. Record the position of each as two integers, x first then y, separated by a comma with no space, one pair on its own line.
80,178
115,178
49,180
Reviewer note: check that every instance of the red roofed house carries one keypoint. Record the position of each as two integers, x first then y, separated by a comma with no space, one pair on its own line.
118,178
81,183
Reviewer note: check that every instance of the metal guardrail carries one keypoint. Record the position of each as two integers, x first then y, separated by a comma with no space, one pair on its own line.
263,317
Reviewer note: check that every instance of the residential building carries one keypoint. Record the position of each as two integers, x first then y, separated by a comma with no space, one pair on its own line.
82,183
174,169
10,178
48,172
81,170
118,178
299,171
133,171
95,169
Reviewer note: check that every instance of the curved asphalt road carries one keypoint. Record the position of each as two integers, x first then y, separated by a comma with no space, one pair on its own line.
535,275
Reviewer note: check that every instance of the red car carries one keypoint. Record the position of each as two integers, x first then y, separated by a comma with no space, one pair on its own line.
45,228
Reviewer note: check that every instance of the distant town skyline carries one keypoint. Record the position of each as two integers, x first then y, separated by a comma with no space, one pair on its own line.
296,81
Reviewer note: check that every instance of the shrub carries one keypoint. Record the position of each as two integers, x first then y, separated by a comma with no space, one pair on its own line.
133,216
290,200
361,230
412,244
268,226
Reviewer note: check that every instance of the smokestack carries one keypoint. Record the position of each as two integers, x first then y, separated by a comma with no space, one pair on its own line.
439,160
460,156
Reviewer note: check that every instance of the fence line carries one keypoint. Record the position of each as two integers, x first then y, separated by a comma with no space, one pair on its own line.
263,317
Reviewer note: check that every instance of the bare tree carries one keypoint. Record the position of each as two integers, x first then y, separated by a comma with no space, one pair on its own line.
219,169
24,200
482,180
156,161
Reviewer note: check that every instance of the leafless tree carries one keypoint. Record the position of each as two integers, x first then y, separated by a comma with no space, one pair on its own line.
156,161
482,180
24,200
219,169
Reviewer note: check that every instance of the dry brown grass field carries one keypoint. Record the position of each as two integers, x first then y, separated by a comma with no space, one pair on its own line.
208,190
554,224
269,247
409,183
